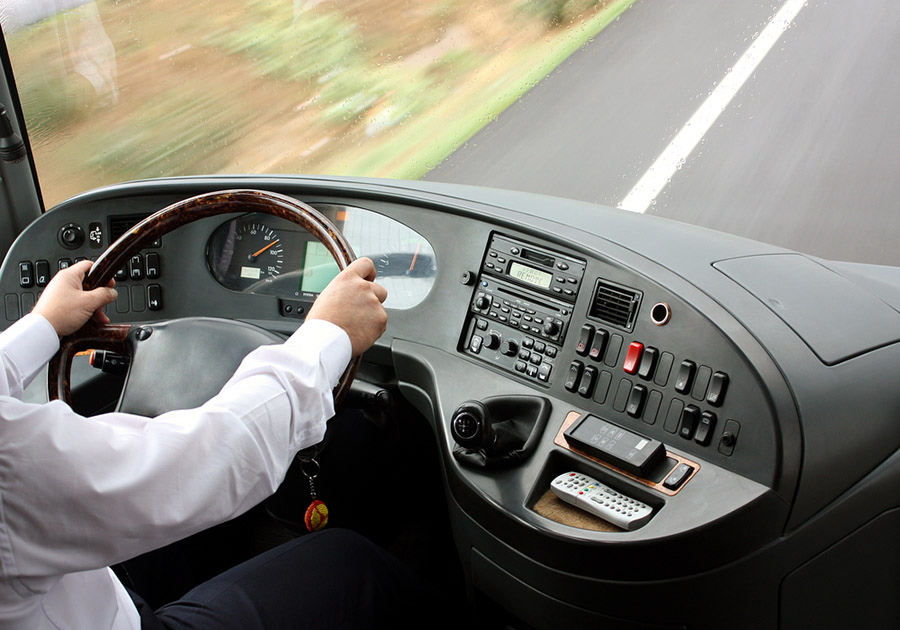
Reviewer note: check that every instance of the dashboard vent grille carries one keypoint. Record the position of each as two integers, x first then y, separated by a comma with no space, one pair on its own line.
615,304
120,224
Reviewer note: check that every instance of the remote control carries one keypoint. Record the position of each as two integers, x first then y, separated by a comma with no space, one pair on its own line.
600,500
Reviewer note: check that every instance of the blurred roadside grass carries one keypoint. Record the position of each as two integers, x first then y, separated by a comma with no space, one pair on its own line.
117,90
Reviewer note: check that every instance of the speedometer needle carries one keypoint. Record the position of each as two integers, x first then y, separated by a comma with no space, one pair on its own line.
256,255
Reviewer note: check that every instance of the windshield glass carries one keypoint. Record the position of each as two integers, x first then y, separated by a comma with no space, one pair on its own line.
114,91
770,120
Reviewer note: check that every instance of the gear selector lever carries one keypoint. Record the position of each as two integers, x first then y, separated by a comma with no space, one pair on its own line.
498,431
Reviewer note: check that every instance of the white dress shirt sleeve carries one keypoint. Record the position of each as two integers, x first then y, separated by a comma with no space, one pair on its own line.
81,493
25,347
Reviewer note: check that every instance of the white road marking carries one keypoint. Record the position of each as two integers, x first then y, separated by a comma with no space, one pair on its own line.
674,156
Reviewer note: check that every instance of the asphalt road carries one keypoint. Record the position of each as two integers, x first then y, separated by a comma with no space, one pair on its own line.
806,155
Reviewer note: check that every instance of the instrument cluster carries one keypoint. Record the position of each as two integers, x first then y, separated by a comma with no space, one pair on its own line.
266,255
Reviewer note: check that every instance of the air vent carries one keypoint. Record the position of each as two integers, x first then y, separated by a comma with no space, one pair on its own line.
614,304
120,224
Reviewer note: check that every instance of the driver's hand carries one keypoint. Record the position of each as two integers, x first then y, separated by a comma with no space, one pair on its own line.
353,301
67,306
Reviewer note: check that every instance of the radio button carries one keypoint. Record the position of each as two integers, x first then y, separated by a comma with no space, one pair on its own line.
551,327
544,372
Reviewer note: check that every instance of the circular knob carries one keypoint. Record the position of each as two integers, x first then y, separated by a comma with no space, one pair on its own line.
71,236
492,341
510,348
482,302
551,327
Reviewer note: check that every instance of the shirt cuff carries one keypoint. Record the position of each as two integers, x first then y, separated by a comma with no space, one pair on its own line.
319,334
30,343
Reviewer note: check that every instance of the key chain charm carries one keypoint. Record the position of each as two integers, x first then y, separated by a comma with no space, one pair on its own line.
316,516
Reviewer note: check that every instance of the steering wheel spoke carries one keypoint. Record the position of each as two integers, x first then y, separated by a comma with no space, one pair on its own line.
92,336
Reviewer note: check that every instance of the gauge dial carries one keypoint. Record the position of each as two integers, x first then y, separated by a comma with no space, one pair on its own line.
258,252
246,254
406,269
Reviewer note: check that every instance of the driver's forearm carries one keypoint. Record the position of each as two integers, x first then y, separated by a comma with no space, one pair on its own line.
25,347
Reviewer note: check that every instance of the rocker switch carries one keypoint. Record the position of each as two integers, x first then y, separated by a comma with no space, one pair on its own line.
633,358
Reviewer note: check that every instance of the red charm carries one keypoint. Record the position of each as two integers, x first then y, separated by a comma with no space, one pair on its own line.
316,516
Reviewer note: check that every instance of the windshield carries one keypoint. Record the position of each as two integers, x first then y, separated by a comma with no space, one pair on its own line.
770,120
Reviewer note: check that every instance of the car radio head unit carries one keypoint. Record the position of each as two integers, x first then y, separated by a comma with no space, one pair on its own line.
521,307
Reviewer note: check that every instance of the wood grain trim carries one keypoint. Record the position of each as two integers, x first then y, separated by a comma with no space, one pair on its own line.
91,336
574,416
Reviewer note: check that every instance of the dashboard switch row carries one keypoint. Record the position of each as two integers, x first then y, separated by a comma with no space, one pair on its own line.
38,272
708,385
141,266
697,425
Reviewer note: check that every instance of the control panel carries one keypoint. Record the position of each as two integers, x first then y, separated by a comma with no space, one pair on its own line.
139,283
623,349
520,310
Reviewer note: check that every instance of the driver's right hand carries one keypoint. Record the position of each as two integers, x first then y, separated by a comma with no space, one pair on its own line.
353,301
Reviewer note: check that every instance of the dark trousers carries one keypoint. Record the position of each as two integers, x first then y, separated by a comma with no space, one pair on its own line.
329,579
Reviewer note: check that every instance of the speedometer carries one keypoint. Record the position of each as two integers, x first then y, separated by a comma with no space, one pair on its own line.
258,251
246,254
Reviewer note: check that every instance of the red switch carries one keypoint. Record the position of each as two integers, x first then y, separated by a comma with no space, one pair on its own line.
633,358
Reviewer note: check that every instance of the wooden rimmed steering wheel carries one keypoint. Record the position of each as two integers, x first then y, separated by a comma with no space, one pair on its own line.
129,340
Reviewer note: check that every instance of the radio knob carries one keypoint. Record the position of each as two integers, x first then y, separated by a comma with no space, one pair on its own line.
482,302
551,327
510,348
492,341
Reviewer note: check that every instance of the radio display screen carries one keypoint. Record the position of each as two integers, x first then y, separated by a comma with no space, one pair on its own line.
530,275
